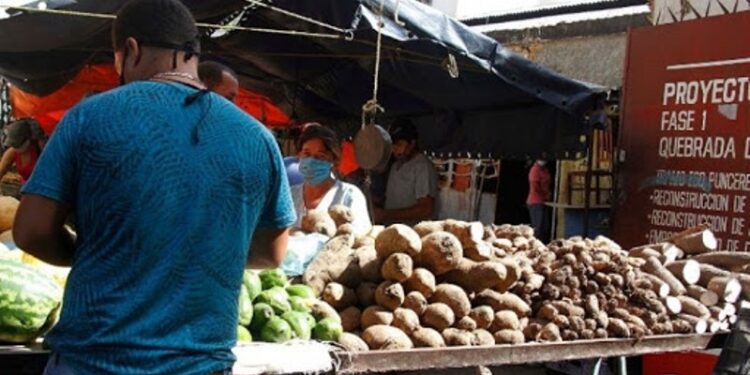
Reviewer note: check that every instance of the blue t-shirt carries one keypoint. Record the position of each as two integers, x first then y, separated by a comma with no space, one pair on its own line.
167,197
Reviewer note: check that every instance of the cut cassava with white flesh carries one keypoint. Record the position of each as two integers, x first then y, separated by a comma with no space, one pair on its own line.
691,306
477,276
503,301
687,271
673,305
398,238
397,267
654,267
700,325
718,313
381,337
727,288
695,240
454,297
708,272
657,285
727,260
705,296
441,252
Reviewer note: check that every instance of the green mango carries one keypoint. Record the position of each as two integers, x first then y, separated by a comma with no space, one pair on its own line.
262,313
276,330
300,304
243,335
301,327
245,307
300,290
328,329
277,298
273,278
251,281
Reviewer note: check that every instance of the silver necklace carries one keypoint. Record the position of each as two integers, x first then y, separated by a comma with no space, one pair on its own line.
168,75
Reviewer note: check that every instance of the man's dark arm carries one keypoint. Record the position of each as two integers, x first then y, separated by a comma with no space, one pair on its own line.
423,210
39,229
268,248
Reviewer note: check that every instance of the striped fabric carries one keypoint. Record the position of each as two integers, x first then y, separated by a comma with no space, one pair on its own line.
166,198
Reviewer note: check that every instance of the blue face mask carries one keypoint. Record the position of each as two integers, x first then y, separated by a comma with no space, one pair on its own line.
315,171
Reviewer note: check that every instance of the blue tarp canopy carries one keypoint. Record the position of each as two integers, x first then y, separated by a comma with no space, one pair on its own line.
500,104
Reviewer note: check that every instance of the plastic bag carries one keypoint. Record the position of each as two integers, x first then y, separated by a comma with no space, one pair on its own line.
300,252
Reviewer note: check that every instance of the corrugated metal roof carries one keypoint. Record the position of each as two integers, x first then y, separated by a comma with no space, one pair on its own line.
591,5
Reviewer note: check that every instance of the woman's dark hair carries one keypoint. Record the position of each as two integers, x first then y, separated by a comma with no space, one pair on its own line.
156,23
330,140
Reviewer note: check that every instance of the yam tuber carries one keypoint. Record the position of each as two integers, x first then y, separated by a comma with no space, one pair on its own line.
389,295
397,267
482,337
466,323
416,302
483,316
509,336
351,318
503,301
441,252
376,315
369,263
366,294
405,320
352,342
457,337
549,333
477,276
438,316
428,227
339,296
422,281
454,297
398,238
336,262
341,214
380,337
427,338
316,221
505,319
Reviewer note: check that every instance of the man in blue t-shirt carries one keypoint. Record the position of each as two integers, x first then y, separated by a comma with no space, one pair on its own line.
174,191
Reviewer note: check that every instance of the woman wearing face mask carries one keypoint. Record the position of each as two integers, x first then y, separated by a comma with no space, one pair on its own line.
24,141
319,154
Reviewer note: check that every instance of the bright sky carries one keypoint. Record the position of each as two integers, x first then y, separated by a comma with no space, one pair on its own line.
478,8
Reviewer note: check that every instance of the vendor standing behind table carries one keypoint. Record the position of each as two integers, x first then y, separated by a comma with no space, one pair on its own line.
24,140
319,152
539,192
175,191
411,189
220,79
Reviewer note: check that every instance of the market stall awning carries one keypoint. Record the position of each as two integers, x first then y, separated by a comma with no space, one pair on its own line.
49,109
494,102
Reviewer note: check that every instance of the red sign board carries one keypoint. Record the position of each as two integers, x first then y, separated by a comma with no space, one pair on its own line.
686,132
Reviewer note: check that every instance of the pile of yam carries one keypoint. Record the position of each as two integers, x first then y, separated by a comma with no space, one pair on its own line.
455,283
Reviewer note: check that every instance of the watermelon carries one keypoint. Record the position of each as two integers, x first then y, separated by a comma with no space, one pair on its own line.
29,302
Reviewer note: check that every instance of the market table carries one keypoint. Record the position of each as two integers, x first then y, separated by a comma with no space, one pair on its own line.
260,358
462,357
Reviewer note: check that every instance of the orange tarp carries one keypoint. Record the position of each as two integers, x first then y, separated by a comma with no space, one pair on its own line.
48,110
